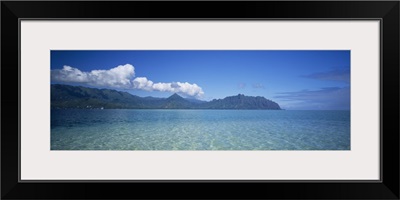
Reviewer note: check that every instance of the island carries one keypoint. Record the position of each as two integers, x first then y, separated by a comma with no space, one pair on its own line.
79,97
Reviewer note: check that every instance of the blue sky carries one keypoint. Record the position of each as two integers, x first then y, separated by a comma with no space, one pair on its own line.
297,80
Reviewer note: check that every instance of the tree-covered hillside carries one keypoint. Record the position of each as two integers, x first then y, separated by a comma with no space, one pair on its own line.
66,96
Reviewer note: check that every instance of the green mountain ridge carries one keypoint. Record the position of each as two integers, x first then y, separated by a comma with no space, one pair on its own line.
79,97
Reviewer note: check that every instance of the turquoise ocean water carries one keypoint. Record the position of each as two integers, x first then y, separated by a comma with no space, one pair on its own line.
121,129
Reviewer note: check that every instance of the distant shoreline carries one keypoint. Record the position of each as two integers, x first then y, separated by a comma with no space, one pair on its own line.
66,96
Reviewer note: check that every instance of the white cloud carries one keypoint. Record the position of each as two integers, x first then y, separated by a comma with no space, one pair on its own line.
69,74
142,83
187,88
121,77
163,87
176,87
118,77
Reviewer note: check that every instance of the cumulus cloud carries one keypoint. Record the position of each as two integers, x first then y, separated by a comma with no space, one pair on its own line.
142,83
176,87
122,77
117,77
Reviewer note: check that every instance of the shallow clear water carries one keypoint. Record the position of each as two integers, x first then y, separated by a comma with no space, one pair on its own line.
199,130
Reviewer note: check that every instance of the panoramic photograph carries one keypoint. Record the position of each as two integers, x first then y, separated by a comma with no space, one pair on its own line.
168,100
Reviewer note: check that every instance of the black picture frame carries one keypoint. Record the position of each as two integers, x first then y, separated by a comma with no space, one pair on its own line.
386,11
